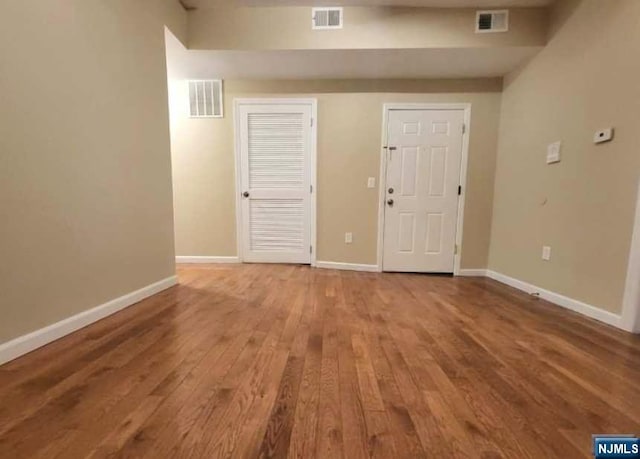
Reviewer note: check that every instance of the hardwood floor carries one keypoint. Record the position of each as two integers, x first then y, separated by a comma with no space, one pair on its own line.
277,361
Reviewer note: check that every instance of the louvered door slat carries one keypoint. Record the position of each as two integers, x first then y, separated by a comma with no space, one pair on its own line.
277,224
276,150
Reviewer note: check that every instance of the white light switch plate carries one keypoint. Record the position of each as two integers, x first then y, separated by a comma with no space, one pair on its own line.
546,253
348,238
371,183
553,152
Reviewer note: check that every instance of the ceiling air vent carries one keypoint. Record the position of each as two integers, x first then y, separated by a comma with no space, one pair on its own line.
205,98
492,21
326,18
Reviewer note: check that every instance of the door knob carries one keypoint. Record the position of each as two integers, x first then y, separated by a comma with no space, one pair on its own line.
390,190
390,202
245,194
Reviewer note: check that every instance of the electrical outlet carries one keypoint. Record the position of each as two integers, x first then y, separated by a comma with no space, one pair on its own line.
371,183
348,238
546,253
553,152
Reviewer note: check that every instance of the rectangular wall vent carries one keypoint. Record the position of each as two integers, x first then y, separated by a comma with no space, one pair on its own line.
205,99
326,18
492,21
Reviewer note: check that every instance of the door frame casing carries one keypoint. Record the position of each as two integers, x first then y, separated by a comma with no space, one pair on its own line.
630,317
313,103
386,109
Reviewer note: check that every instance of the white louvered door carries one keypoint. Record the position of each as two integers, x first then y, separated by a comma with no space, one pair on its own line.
275,165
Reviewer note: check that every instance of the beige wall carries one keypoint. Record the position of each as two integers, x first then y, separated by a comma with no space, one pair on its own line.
364,27
85,172
349,135
586,79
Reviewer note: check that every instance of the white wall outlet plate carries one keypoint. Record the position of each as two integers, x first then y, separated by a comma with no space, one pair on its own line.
546,253
553,152
604,135
371,183
348,238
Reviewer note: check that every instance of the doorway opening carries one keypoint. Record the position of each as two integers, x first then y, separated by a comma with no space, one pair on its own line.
276,180
422,176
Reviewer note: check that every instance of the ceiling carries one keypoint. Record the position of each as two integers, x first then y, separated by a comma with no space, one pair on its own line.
422,3
369,64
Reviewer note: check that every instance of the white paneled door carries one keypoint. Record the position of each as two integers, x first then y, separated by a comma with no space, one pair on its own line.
423,155
276,162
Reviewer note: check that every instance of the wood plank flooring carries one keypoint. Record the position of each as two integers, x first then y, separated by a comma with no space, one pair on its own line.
288,361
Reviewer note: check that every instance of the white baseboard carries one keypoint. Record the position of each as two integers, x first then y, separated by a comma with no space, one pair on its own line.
472,273
27,343
561,300
347,266
190,259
